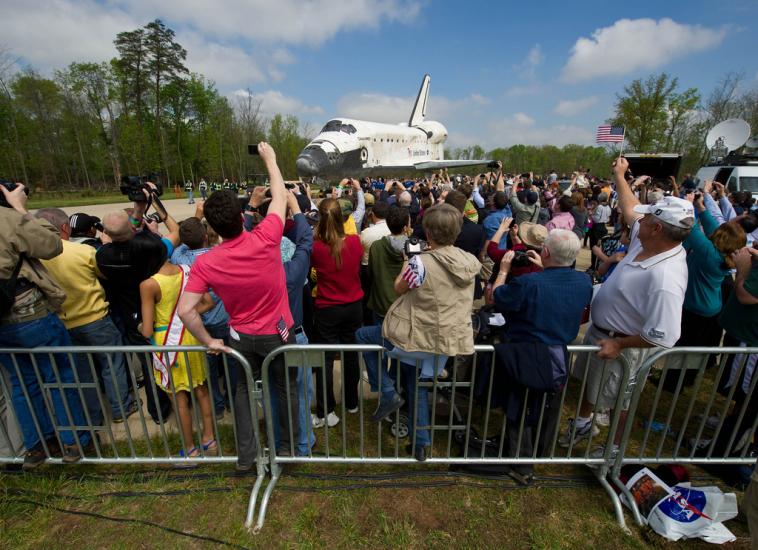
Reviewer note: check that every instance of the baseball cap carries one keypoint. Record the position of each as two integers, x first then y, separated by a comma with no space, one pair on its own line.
369,199
532,197
689,185
346,206
671,210
532,235
82,223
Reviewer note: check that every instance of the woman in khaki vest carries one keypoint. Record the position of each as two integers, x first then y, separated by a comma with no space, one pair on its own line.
428,323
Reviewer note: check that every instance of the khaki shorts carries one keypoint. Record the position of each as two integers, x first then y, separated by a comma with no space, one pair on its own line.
603,385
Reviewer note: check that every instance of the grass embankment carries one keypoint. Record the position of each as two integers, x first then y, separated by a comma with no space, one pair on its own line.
314,506
81,198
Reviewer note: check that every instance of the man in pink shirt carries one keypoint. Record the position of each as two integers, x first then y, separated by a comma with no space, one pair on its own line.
246,272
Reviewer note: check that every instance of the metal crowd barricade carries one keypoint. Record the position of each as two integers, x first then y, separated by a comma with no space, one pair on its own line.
688,414
53,376
462,411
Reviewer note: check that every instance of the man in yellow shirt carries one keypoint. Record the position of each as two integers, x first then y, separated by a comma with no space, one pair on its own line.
85,316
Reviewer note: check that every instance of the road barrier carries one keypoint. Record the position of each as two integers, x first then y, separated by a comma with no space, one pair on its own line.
688,416
470,421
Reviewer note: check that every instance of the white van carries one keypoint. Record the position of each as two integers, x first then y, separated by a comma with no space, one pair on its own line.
738,177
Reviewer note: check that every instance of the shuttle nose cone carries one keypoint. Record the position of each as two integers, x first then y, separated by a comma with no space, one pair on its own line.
312,161
306,165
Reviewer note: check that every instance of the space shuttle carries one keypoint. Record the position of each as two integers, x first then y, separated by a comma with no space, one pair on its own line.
348,147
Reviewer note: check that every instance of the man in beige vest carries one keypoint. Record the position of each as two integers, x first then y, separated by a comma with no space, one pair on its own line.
428,323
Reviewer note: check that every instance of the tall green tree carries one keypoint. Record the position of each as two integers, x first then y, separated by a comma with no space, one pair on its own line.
642,110
165,66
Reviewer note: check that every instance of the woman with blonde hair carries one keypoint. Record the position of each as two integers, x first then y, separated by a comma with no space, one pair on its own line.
338,312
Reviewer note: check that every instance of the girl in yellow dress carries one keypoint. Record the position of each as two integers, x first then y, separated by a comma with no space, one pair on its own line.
159,295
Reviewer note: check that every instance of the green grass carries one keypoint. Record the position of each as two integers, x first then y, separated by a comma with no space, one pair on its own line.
310,513
83,198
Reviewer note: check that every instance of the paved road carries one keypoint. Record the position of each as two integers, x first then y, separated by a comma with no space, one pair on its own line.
178,208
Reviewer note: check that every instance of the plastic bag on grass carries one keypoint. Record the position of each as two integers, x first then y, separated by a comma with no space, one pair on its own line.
683,511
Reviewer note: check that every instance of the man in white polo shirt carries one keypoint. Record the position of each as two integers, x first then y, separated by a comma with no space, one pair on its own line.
376,230
639,306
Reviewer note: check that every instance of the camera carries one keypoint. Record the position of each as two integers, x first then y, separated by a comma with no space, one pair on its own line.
414,246
10,186
252,149
132,187
521,259
154,217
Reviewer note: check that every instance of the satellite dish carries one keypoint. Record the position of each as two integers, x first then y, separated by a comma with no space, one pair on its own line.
730,134
752,143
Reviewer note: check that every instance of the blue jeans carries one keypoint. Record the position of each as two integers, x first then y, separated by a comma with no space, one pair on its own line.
111,366
304,381
189,193
216,370
48,331
418,412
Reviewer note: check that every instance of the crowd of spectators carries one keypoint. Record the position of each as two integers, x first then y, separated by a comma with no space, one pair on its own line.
398,263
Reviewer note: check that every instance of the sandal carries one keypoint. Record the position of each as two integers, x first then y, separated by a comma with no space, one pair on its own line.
194,452
210,448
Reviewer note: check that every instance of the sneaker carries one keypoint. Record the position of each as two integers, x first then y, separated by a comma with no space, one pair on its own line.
420,452
34,457
582,432
602,418
71,453
712,422
353,410
130,410
331,420
387,406
599,452
699,444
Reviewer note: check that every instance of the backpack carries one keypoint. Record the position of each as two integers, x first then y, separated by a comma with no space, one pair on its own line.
8,289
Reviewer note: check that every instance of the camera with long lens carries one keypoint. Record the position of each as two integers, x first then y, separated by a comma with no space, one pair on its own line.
414,246
132,187
10,186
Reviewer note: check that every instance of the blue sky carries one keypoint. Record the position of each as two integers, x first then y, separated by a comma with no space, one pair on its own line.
502,72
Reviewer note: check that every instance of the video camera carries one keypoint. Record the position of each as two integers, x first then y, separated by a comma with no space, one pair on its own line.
10,186
414,246
132,187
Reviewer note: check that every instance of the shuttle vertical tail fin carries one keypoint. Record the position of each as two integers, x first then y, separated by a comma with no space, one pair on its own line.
419,109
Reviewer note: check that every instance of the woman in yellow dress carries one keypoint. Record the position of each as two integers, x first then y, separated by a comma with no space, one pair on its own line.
159,295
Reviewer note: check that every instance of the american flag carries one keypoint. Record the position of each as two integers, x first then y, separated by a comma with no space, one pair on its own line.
281,328
415,273
612,134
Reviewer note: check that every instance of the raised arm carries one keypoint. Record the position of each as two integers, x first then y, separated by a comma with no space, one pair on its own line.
627,200
278,204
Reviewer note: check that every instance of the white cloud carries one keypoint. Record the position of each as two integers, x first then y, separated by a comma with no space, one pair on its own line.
233,42
273,102
521,129
571,107
633,44
523,119
527,69
393,109
282,21
53,34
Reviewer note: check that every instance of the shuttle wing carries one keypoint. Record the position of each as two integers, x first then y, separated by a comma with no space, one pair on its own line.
437,164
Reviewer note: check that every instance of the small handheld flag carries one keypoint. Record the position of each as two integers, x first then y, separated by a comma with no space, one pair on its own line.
610,134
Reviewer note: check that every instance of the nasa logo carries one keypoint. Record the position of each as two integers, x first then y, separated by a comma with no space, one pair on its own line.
685,505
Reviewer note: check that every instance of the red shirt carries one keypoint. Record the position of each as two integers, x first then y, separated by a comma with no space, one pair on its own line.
338,286
496,255
247,274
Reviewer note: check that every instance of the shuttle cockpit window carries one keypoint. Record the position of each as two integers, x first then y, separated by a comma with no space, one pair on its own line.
337,126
